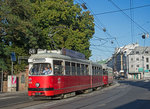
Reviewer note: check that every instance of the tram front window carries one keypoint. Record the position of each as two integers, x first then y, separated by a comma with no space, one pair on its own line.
41,69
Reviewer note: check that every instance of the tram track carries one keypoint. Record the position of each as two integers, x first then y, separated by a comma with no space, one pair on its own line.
28,103
70,101
85,97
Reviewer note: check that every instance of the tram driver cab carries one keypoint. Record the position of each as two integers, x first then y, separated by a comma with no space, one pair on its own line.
41,69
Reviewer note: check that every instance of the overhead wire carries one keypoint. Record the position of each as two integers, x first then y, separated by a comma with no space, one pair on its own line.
108,34
144,30
103,50
101,26
97,22
132,17
132,8
103,46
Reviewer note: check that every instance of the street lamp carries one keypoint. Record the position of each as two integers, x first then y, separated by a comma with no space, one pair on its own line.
143,37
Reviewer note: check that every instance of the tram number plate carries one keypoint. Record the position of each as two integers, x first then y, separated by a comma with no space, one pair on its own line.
37,93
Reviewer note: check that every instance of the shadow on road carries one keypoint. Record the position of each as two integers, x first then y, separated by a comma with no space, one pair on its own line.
137,104
142,83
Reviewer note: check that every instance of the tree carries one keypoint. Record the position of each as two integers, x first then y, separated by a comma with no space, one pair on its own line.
44,24
74,28
17,31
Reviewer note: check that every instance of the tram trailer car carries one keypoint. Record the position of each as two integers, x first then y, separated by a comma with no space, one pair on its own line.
110,75
107,75
68,75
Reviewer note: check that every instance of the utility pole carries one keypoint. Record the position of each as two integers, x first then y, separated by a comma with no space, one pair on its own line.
121,58
114,60
121,61
143,37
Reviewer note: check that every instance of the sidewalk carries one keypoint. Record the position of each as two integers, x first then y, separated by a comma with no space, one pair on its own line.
12,93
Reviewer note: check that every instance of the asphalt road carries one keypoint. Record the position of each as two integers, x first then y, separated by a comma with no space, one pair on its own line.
125,95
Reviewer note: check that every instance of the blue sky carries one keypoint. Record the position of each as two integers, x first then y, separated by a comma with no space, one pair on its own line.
118,25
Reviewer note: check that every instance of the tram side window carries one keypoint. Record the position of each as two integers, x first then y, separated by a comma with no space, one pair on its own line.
105,72
96,70
58,68
78,69
93,70
82,69
86,70
73,67
100,71
67,68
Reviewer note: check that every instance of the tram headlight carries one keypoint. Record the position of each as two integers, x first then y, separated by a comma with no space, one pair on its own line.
37,84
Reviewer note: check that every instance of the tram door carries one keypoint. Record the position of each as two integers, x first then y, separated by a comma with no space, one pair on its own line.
1,79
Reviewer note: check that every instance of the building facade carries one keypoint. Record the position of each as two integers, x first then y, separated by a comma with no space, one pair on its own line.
119,60
139,63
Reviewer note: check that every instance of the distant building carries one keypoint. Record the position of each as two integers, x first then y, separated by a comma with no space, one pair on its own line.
119,61
132,61
139,63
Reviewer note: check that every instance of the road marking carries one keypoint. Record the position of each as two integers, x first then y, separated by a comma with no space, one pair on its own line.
7,97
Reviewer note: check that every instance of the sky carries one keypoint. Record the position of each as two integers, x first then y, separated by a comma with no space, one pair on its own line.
122,28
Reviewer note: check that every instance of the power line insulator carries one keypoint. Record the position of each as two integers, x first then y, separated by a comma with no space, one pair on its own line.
104,29
143,36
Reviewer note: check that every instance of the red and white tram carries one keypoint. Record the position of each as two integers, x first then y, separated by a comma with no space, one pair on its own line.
67,75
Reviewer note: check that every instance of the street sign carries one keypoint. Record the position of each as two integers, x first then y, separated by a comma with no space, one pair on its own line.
140,69
13,56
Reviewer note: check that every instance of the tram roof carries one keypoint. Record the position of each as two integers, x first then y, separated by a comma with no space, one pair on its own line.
62,57
56,56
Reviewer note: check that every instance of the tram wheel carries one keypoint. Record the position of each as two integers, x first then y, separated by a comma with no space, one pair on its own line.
58,97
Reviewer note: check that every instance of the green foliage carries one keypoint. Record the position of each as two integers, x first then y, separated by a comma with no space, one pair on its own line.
44,24
69,27
16,31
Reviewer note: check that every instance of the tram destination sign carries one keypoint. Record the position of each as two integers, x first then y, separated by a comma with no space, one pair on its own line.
72,53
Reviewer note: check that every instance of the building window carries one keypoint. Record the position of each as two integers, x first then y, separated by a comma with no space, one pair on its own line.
147,59
58,68
131,59
132,66
137,59
146,52
137,65
147,66
137,52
